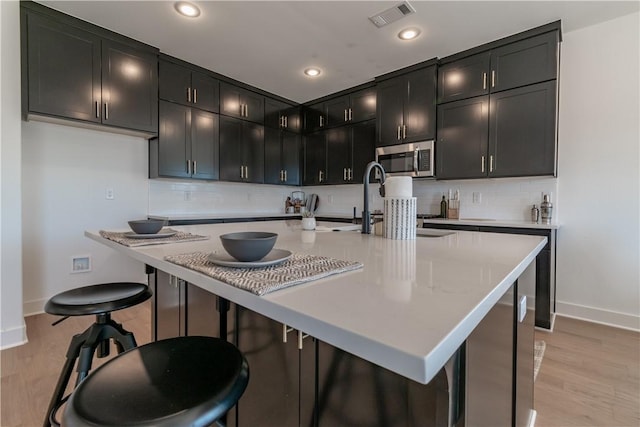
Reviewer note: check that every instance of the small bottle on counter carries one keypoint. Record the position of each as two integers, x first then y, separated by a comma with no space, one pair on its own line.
443,207
535,214
546,208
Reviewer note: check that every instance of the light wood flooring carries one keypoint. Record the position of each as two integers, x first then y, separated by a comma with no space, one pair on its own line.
590,374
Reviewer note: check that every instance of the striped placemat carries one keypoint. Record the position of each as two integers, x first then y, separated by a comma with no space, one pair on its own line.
298,269
180,236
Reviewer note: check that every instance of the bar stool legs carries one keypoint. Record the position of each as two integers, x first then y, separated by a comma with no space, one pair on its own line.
82,348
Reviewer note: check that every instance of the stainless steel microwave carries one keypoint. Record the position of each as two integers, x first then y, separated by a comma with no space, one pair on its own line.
414,159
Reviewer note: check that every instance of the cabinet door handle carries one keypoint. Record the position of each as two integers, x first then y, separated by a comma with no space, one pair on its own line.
345,115
344,174
301,336
246,110
482,163
319,176
195,96
106,111
398,132
188,94
491,163
281,175
484,81
404,131
350,174
97,109
285,331
246,172
188,167
321,121
285,175
281,121
241,171
350,114
286,121
195,167
493,78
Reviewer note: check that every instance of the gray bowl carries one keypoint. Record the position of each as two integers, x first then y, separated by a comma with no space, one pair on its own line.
146,226
249,245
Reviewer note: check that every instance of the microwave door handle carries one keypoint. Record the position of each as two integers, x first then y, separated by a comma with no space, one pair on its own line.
416,158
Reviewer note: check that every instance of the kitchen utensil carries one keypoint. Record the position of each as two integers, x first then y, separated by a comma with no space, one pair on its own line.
146,226
248,245
312,203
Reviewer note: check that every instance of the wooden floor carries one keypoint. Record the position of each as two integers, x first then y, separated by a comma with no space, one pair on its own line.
589,375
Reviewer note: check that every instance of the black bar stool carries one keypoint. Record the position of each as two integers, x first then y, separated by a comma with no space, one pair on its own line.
100,300
185,381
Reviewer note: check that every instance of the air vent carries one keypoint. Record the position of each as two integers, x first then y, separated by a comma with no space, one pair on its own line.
392,15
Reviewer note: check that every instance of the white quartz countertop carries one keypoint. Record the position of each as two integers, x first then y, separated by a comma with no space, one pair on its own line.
408,310
487,222
214,215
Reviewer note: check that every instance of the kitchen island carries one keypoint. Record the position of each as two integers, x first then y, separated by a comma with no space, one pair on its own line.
409,309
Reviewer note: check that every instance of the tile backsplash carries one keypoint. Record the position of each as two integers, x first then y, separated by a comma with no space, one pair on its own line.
503,199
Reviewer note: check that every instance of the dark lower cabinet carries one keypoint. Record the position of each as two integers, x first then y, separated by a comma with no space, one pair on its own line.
522,131
281,157
241,151
187,145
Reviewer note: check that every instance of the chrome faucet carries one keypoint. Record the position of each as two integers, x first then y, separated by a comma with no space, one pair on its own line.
366,215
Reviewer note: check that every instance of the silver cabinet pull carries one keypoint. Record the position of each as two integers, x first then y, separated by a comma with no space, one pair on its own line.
344,174
246,172
281,175
97,109
285,331
321,121
493,78
484,81
404,131
286,121
195,96
246,110
346,117
398,132
482,163
195,167
188,94
285,175
350,114
491,163
319,176
188,167
241,171
349,174
301,336
106,111
281,121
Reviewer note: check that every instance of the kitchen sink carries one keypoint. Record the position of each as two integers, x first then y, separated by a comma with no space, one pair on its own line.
430,232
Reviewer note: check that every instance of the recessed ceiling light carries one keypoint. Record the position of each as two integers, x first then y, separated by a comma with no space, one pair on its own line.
409,34
312,72
187,9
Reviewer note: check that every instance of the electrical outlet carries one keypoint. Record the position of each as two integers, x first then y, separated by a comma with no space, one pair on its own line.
109,194
80,263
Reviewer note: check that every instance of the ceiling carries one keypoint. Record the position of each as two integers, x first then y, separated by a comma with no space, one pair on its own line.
268,44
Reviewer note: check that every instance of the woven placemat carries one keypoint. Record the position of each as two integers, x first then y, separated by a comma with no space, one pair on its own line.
180,236
298,269
538,354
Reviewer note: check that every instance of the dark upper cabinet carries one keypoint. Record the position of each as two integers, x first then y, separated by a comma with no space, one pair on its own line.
129,87
72,73
529,61
507,134
188,87
281,157
315,158
241,151
345,109
241,103
280,115
522,131
63,70
406,107
464,78
188,145
349,150
462,144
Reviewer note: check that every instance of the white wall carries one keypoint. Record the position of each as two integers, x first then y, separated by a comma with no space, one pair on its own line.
66,172
12,326
598,245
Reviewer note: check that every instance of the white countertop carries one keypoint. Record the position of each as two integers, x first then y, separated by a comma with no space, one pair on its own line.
218,215
486,222
408,310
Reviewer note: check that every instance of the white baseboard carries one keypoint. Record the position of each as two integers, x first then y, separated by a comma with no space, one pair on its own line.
33,307
598,315
13,337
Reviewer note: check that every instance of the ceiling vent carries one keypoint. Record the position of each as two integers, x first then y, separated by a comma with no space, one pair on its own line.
392,14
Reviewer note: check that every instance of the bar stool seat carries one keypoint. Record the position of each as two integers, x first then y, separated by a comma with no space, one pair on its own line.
99,300
185,381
